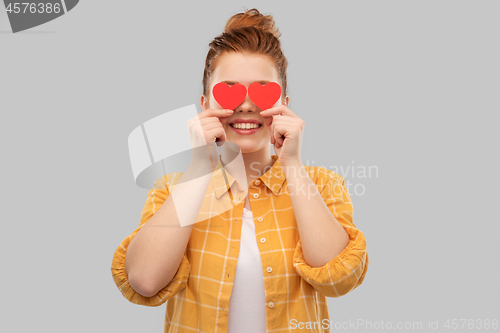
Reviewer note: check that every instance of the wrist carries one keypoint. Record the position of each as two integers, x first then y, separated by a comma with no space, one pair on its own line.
295,169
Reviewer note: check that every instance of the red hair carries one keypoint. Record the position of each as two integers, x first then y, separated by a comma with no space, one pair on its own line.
249,32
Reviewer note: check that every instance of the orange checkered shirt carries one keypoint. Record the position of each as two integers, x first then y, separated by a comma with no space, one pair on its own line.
198,296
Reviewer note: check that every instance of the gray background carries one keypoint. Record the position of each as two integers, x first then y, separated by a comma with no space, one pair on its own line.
407,86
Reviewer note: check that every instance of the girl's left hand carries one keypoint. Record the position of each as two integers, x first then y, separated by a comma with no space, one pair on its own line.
286,134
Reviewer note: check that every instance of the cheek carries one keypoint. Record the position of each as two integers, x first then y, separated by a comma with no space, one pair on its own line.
268,121
212,103
278,102
266,130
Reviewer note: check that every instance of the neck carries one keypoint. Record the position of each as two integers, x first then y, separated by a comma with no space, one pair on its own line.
256,163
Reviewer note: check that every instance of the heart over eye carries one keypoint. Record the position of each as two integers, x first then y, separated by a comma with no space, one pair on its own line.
264,96
229,97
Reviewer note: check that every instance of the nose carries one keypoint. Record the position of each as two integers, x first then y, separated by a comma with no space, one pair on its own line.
247,106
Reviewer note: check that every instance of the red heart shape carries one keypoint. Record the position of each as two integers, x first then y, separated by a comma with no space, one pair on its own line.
264,96
229,97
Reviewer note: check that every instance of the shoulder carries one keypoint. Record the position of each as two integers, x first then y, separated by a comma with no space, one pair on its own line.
166,182
321,175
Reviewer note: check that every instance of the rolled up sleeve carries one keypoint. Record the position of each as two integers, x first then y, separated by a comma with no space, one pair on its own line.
347,270
155,198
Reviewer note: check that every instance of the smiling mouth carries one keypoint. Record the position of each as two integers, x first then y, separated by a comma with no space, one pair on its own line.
245,126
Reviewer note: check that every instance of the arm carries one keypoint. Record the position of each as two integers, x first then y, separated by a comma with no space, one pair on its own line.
147,269
322,236
152,286
331,253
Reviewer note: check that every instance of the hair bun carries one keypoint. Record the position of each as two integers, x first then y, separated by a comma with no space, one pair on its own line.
253,18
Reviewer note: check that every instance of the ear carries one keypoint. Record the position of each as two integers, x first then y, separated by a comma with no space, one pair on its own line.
203,102
287,99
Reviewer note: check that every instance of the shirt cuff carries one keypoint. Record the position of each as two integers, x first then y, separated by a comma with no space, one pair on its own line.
120,278
340,275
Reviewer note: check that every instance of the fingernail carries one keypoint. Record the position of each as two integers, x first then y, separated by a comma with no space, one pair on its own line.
229,111
262,112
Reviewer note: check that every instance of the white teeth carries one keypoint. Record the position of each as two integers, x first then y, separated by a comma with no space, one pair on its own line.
245,125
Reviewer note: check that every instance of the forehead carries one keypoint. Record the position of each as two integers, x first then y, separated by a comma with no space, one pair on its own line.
244,68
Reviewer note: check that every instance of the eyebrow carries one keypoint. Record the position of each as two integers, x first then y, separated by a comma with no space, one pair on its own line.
263,82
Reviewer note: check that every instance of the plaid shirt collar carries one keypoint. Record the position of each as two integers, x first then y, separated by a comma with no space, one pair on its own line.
273,178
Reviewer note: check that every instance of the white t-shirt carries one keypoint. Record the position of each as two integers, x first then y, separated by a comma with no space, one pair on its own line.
247,305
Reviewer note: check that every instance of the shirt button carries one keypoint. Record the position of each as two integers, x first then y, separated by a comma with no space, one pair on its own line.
257,182
256,195
269,269
260,219
262,240
271,304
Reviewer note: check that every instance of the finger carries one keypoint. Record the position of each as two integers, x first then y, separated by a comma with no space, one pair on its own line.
272,132
275,122
204,122
281,109
220,135
216,113
278,137
209,126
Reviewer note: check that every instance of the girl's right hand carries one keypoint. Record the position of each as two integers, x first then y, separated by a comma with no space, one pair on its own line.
206,129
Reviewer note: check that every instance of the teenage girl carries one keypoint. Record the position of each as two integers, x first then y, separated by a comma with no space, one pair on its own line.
267,264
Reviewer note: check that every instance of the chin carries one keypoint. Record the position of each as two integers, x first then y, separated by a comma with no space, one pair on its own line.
247,147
